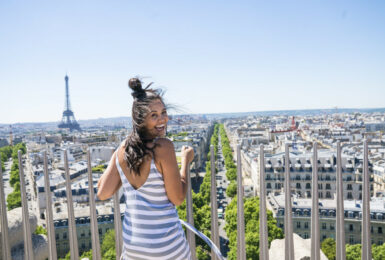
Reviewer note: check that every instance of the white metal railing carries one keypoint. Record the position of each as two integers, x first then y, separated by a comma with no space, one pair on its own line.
73,239
264,254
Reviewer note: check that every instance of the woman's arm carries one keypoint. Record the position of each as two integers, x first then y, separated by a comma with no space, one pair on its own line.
110,181
175,182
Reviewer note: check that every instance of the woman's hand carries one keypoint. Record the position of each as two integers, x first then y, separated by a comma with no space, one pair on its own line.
187,154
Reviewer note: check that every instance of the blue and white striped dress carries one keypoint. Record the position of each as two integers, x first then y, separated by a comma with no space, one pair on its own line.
151,227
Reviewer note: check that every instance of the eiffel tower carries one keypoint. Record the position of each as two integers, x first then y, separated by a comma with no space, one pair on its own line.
68,120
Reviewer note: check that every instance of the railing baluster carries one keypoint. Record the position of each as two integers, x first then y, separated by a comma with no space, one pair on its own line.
340,222
366,253
49,215
289,245
71,216
28,250
117,224
6,249
241,250
94,221
190,216
315,231
214,206
263,234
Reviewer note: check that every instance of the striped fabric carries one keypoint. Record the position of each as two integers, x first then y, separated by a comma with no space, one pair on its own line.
151,227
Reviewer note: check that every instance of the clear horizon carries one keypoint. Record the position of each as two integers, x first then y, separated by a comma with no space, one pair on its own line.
217,57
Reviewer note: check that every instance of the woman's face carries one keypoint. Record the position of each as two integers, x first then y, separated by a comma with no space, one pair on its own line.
156,120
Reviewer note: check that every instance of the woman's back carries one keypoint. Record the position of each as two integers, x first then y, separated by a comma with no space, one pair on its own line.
151,227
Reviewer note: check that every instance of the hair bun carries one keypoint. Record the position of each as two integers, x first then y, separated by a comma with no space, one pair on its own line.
136,85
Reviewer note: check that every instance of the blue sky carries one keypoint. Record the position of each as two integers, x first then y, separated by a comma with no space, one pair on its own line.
209,56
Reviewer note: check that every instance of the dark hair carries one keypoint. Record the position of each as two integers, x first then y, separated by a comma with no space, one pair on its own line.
135,145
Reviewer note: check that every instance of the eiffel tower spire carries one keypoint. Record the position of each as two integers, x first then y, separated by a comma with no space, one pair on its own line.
68,119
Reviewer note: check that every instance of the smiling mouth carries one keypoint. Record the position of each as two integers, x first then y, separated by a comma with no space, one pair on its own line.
160,128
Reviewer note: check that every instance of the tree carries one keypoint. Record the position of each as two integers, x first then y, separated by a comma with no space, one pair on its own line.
231,190
231,174
14,199
328,246
99,168
353,252
108,241
251,214
87,254
40,230
378,252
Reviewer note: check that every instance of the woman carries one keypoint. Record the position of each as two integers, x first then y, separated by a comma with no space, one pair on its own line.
146,165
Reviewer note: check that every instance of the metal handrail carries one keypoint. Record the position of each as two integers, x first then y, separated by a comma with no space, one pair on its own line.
340,235
210,243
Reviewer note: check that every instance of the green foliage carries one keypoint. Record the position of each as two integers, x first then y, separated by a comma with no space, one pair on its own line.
180,134
14,178
40,230
14,199
251,213
87,254
201,253
5,154
67,257
110,254
353,252
16,148
99,168
108,241
328,246
231,174
231,190
378,252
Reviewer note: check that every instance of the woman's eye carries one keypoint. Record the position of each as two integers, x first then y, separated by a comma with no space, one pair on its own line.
153,115
164,112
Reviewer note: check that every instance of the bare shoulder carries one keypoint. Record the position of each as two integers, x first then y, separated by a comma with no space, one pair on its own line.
164,145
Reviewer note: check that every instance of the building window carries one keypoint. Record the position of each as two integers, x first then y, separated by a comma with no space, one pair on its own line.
298,224
323,225
65,235
379,230
349,187
57,236
100,231
308,186
320,186
308,194
328,186
350,196
298,185
331,226
306,225
306,235
320,195
328,195
268,185
351,228
351,240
